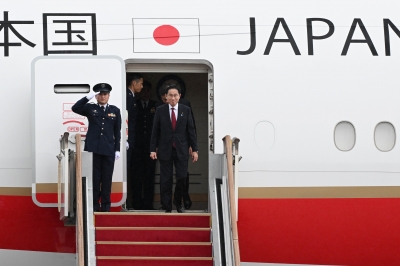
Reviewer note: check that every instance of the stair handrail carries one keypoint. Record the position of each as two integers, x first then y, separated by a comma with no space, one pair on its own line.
232,199
79,205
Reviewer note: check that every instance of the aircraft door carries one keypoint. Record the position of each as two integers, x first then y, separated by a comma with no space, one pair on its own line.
57,83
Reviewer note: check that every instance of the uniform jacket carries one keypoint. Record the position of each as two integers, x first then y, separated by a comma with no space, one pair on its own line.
163,136
132,110
104,133
144,125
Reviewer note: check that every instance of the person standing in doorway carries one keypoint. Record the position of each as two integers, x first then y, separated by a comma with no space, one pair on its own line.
173,133
143,166
102,139
135,85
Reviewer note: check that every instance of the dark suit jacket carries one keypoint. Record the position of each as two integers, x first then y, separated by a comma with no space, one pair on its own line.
132,108
184,102
144,124
163,136
104,133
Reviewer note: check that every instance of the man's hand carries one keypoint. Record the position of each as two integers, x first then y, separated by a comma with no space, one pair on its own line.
195,156
153,155
117,155
190,151
127,146
91,95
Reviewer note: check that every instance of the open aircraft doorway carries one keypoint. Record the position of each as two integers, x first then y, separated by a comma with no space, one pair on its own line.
195,78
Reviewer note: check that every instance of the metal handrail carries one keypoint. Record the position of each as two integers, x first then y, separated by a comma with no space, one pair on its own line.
79,205
232,199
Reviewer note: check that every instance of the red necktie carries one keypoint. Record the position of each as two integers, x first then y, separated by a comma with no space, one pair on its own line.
173,122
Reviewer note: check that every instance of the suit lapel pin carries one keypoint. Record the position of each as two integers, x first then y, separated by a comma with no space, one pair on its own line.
182,114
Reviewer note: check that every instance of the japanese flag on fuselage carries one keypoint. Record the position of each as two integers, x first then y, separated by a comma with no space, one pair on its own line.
159,35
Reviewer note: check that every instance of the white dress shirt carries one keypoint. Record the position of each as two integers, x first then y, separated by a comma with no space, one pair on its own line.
175,111
145,102
105,106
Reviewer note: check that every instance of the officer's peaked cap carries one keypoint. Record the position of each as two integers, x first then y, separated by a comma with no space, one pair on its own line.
102,87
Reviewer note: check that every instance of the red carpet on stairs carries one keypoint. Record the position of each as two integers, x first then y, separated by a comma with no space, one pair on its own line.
156,239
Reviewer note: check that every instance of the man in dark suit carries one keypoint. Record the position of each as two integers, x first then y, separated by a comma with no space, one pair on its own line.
103,139
143,166
173,134
187,202
135,85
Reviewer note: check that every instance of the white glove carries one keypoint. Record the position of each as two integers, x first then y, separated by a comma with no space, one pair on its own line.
91,95
127,146
117,155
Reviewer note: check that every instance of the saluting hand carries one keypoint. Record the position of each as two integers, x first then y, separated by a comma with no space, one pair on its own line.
91,95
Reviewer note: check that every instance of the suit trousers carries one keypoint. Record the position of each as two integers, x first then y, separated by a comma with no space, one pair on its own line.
166,179
103,168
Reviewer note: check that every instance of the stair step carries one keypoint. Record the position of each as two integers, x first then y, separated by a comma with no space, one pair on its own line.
146,219
153,261
154,249
153,234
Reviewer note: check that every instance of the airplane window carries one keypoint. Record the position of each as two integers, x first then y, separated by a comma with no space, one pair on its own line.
385,136
71,88
264,135
345,136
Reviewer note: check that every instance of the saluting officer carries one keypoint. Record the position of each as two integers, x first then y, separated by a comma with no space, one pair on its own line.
102,139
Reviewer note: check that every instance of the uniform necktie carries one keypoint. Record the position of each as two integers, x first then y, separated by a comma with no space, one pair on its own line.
173,122
144,105
103,108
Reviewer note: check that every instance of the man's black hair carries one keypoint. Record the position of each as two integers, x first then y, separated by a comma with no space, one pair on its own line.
163,90
134,77
172,86
147,84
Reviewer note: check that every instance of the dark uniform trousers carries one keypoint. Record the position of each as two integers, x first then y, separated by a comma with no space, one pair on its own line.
103,167
103,140
166,171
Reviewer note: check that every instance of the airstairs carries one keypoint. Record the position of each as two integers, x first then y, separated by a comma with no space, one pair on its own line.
151,238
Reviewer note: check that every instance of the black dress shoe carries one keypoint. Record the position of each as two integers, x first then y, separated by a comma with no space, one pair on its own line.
187,204
167,211
178,207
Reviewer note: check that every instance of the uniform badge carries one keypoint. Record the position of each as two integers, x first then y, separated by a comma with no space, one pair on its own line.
153,110
111,114
94,111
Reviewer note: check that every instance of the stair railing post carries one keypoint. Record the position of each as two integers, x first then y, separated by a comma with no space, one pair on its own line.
232,200
79,205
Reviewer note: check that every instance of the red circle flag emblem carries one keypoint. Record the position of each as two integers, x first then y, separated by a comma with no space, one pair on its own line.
166,35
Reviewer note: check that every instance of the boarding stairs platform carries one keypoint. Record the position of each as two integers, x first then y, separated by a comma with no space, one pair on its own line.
153,238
